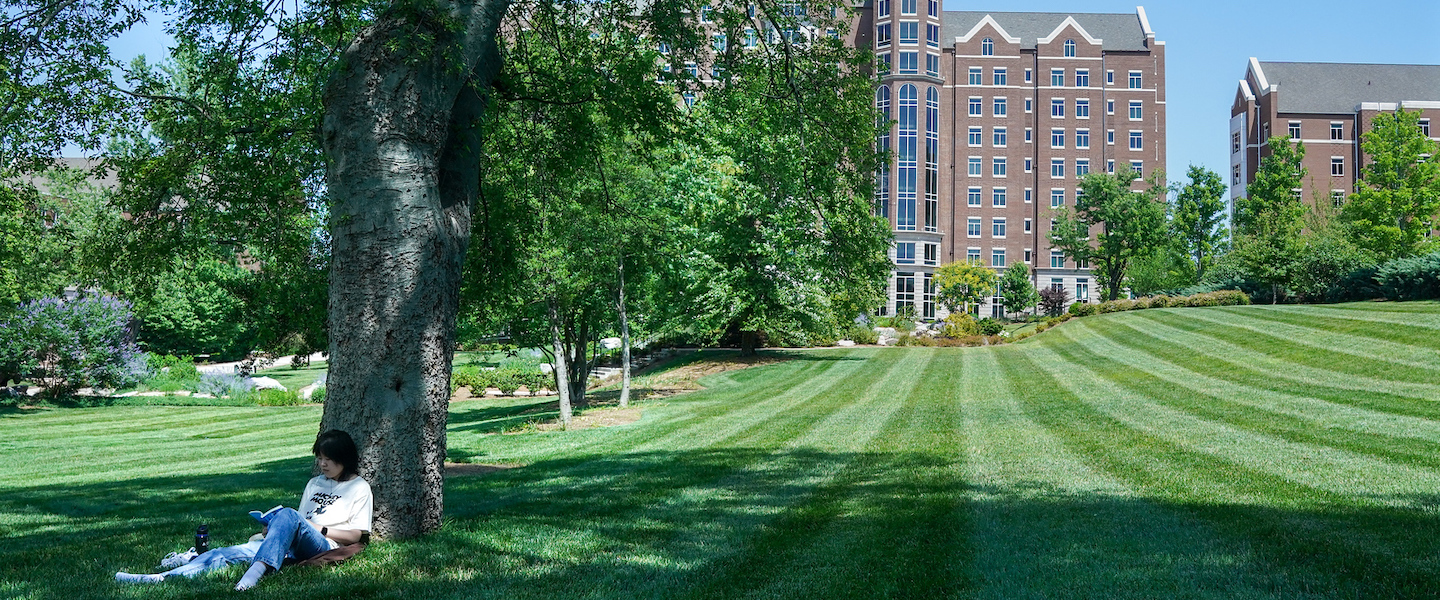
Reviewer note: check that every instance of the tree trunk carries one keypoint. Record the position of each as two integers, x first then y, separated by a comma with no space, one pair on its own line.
562,379
747,343
402,147
580,374
624,339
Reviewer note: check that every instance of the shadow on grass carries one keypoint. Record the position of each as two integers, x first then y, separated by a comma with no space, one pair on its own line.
739,523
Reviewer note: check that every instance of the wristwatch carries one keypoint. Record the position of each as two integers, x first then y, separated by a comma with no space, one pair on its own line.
325,531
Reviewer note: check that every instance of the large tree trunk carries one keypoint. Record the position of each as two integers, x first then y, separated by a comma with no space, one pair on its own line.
562,379
624,339
402,145
747,343
580,371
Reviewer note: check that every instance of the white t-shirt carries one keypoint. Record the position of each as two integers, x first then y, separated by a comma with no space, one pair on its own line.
337,504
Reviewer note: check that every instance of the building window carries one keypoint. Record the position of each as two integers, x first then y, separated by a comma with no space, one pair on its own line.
935,8
909,32
1082,77
1057,168
932,253
689,98
1137,110
1028,106
1027,135
1138,167
972,255
1235,175
998,197
1294,130
1082,167
882,177
1109,107
1109,78
987,47
1027,255
975,133
905,253
1425,127
997,256
1135,80
1027,195
1027,164
1082,138
1234,143
1137,141
1057,77
975,74
1057,107
1337,131
1000,76
1110,166
973,166
705,14
883,8
999,107
997,227
932,159
1027,229
932,65
907,7
1337,166
906,155
932,35
1069,47
1057,138
909,62
904,292
1110,137
998,166
882,63
972,227
1082,108
1082,290
975,104
999,137
1057,261
972,198
1057,200
1027,75
1337,197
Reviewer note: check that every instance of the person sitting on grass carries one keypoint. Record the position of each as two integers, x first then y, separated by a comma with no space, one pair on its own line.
335,510
189,564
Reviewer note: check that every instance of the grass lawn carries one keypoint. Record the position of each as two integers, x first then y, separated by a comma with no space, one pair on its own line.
294,379
1246,452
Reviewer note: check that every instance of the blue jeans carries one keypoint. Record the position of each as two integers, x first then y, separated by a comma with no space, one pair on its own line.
217,558
290,534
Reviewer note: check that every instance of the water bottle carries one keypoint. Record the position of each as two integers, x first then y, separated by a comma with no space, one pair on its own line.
202,539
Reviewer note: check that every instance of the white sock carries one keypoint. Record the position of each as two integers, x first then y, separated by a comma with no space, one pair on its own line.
252,576
124,577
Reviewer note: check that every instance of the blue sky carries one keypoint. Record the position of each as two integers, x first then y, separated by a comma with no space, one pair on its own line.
1207,45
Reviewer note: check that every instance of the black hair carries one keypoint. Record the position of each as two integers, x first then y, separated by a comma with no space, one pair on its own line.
336,445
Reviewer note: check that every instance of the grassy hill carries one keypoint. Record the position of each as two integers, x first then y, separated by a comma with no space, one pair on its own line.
1246,452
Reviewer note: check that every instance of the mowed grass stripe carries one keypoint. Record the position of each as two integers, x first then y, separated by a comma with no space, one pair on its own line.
1309,465
1428,319
1193,348
1046,521
1283,347
865,532
1292,418
1387,360
1429,307
1385,333
1314,540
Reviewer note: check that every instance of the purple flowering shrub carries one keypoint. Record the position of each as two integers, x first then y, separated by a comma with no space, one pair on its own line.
65,345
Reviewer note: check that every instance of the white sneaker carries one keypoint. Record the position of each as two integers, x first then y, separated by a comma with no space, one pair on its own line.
178,559
124,577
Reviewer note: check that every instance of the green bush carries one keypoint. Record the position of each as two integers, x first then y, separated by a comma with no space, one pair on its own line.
195,309
989,327
1414,278
65,345
959,325
861,334
318,396
1083,309
277,398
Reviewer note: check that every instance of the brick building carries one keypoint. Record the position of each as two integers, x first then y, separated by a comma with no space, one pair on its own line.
1328,106
996,118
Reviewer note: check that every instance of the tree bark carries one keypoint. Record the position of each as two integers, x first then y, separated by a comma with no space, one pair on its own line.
747,343
401,138
562,379
624,339
580,374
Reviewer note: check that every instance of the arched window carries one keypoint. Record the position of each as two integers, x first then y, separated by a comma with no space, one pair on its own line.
987,47
1069,47
882,143
932,159
906,155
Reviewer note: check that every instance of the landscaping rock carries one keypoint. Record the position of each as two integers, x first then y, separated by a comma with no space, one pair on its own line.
265,383
845,343
610,343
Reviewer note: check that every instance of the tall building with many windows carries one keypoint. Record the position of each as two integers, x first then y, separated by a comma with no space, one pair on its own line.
1327,106
995,118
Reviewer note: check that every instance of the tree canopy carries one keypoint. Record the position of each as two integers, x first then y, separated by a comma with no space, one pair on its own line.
1131,225
1397,200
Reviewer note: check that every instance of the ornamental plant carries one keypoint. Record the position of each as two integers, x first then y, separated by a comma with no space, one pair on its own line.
65,345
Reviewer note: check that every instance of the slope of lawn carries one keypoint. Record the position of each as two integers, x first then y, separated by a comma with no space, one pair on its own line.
1246,452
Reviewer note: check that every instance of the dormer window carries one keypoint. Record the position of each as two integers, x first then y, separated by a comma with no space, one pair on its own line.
1069,47
987,47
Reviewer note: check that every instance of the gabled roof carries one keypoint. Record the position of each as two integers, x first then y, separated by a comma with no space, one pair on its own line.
1117,31
1307,87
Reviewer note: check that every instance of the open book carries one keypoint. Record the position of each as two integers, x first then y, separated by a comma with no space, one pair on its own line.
265,516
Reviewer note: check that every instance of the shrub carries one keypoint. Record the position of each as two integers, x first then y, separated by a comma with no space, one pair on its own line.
861,334
195,310
318,396
1053,300
1231,297
1083,309
223,384
958,325
66,345
989,327
277,397
1414,278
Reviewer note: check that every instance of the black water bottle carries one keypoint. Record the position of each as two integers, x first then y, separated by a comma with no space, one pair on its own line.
202,539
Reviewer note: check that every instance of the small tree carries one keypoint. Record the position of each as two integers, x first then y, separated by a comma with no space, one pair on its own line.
1131,223
1054,300
1016,290
1399,199
1197,222
72,344
1269,220
960,284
